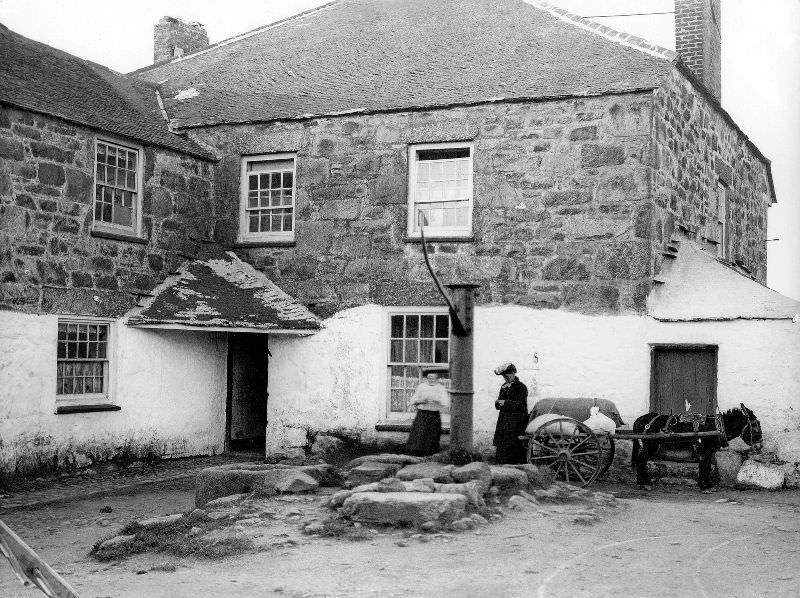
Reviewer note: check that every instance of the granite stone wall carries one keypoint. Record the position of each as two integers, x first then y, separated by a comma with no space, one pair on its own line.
694,147
49,260
562,216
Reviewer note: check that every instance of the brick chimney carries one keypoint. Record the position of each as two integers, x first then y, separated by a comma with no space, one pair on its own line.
698,40
172,38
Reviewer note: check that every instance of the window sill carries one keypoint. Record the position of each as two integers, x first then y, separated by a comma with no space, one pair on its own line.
264,243
440,239
402,426
117,236
66,409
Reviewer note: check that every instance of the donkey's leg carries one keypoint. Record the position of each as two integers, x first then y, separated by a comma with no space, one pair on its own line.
643,456
707,450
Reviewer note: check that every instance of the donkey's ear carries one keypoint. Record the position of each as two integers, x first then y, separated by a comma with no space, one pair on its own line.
742,406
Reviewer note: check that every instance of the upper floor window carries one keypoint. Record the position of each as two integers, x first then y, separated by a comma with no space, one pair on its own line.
440,189
722,221
267,198
117,189
82,362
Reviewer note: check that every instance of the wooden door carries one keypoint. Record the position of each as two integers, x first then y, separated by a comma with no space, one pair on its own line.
682,375
247,391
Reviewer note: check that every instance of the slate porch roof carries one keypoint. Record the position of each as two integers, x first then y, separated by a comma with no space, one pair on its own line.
379,55
696,286
37,77
220,291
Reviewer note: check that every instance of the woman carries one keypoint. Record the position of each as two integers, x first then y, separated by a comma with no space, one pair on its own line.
430,399
512,403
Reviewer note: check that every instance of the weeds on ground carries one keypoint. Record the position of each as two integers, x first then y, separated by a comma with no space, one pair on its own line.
457,457
172,538
338,528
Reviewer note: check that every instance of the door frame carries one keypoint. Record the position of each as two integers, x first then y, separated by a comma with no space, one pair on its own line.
655,346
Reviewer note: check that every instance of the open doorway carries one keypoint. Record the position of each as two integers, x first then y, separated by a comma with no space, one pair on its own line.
246,409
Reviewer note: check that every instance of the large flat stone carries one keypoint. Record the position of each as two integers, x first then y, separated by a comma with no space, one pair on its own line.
428,469
404,508
728,464
757,475
383,458
369,472
477,470
472,490
263,480
508,478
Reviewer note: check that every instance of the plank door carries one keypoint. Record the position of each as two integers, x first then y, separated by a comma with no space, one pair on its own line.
681,374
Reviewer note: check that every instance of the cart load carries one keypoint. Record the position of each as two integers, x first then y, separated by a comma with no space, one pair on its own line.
578,409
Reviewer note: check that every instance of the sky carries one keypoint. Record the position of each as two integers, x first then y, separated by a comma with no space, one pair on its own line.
760,68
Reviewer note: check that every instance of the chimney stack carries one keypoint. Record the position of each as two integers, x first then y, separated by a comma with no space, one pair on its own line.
172,38
698,40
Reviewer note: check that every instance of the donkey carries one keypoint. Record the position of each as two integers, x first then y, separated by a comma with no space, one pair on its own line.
735,422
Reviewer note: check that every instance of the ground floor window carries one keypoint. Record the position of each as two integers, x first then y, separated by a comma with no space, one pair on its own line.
417,340
82,363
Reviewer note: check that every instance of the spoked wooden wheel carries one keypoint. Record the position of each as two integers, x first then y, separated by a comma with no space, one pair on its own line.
569,448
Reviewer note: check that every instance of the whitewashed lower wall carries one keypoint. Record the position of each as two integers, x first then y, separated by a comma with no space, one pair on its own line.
170,385
336,379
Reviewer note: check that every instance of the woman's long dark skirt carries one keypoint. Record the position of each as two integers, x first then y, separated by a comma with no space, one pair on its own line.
425,432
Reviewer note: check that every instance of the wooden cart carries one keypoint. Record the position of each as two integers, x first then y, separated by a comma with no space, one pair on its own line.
577,455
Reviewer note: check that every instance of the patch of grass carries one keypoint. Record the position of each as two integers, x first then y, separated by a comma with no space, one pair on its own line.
457,457
337,528
172,538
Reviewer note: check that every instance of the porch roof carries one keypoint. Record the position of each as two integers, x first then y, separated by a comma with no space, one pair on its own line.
220,292
695,286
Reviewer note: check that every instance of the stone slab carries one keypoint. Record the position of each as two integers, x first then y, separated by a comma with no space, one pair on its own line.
368,472
403,508
428,469
383,458
215,482
757,475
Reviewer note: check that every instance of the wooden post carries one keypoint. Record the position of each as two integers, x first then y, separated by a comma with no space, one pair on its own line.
461,393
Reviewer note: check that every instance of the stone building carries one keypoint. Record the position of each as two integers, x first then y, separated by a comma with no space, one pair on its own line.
568,169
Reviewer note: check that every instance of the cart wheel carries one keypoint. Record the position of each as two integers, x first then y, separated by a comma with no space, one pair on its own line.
609,450
575,457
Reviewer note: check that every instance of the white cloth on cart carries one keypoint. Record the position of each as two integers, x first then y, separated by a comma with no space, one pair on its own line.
599,423
565,428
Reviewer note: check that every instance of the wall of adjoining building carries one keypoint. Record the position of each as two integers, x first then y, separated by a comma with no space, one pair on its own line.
694,147
170,387
561,214
49,262
336,381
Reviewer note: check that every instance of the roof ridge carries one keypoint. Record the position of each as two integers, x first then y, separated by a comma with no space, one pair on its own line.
236,38
620,37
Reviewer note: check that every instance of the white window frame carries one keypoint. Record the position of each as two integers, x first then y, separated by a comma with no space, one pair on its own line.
433,232
135,229
88,399
407,416
244,234
722,220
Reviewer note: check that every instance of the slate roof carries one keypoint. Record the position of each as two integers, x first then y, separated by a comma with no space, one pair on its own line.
378,55
222,291
697,286
37,77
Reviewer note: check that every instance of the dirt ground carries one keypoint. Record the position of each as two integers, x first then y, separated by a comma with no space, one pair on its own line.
664,543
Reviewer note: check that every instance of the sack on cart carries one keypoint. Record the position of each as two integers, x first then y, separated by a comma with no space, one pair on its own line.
564,428
599,423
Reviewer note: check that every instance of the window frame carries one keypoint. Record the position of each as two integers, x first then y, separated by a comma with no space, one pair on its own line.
89,399
722,220
135,230
408,416
439,232
244,235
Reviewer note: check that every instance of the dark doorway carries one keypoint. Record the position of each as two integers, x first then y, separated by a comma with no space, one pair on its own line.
246,411
681,374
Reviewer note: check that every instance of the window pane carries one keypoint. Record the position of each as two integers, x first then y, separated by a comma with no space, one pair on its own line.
288,180
253,182
396,353
442,328
397,326
253,226
123,216
287,220
411,351
275,180
426,351
440,354
427,326
412,326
